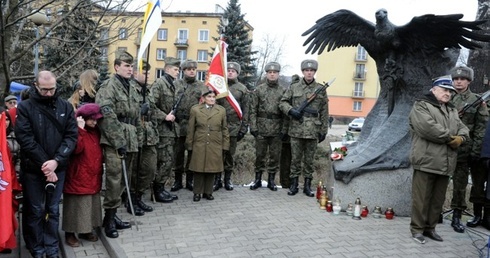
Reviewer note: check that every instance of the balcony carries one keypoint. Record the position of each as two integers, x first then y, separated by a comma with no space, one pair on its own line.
360,58
359,76
356,94
181,43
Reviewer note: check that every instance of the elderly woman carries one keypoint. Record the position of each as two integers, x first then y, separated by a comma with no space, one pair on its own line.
208,138
82,210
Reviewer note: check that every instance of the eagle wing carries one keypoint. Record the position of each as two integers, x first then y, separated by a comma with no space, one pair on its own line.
342,28
437,32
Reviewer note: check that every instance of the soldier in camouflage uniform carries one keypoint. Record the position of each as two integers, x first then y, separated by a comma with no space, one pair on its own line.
307,127
191,88
165,95
266,125
236,126
145,168
469,153
120,131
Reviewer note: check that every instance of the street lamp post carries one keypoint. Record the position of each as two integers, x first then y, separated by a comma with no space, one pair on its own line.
38,19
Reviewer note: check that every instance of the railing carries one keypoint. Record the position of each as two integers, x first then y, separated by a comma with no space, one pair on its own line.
358,94
360,75
181,43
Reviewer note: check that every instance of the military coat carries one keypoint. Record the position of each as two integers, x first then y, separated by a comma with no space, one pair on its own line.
265,116
165,95
192,94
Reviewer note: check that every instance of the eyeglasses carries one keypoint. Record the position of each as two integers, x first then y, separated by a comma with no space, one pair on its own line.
46,90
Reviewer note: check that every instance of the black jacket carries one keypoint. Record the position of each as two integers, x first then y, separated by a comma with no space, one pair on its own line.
39,138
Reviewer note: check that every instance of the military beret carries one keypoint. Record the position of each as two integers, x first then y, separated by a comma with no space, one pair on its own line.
189,63
309,64
273,66
124,56
9,98
462,72
234,65
444,82
172,61
89,111
207,90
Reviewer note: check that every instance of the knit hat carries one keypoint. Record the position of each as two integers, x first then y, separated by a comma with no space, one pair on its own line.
89,111
234,65
273,66
309,64
445,81
462,72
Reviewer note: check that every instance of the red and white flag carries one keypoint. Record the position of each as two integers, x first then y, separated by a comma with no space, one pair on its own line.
7,216
217,79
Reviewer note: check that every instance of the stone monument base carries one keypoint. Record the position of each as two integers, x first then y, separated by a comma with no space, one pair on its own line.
386,188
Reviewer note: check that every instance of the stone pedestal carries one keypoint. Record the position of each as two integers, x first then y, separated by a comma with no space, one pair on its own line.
389,188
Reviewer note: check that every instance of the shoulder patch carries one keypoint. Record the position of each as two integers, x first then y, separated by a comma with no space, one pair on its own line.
105,110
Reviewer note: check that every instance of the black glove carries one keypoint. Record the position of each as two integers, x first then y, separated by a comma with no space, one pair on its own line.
284,137
321,137
294,113
121,151
254,133
240,136
144,109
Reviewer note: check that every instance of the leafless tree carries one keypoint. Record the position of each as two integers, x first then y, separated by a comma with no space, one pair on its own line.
270,50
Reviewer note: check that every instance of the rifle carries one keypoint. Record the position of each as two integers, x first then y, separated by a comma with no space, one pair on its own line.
307,101
175,107
475,103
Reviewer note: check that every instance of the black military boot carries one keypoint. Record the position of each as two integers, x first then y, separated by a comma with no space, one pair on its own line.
141,204
293,187
121,224
228,183
270,183
456,222
137,210
158,193
486,218
307,188
258,181
217,182
476,221
177,183
109,223
189,181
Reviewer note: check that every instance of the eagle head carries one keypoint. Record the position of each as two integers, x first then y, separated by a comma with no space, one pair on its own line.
381,15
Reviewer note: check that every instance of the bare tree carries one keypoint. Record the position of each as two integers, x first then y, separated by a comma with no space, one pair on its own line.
479,59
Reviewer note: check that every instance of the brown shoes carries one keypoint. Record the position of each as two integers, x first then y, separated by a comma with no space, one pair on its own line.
89,237
71,240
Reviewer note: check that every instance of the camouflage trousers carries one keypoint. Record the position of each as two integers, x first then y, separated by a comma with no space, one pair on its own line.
165,158
302,157
285,164
479,179
228,158
114,178
181,165
460,181
267,152
142,176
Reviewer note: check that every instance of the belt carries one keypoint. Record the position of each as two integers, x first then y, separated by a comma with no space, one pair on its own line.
268,116
128,120
209,128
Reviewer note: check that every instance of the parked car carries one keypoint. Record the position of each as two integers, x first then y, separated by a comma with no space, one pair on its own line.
356,124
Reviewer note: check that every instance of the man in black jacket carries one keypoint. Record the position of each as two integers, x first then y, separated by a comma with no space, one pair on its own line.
46,130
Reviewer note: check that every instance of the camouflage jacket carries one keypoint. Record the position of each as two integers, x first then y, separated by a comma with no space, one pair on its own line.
240,93
119,103
265,116
315,119
149,121
165,95
476,120
192,94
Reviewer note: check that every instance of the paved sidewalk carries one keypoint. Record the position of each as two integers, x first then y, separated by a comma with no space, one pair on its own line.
262,223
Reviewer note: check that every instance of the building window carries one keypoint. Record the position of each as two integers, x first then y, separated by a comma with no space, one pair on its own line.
357,106
203,36
120,49
162,34
161,53
361,53
182,54
183,34
103,51
202,55
359,89
201,75
159,73
360,71
123,33
104,34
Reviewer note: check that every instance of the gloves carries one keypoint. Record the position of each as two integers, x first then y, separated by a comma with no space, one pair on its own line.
240,136
144,109
284,137
321,137
254,133
455,142
294,113
122,151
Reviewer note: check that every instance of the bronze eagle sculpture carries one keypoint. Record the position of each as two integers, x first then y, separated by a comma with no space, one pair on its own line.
407,58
